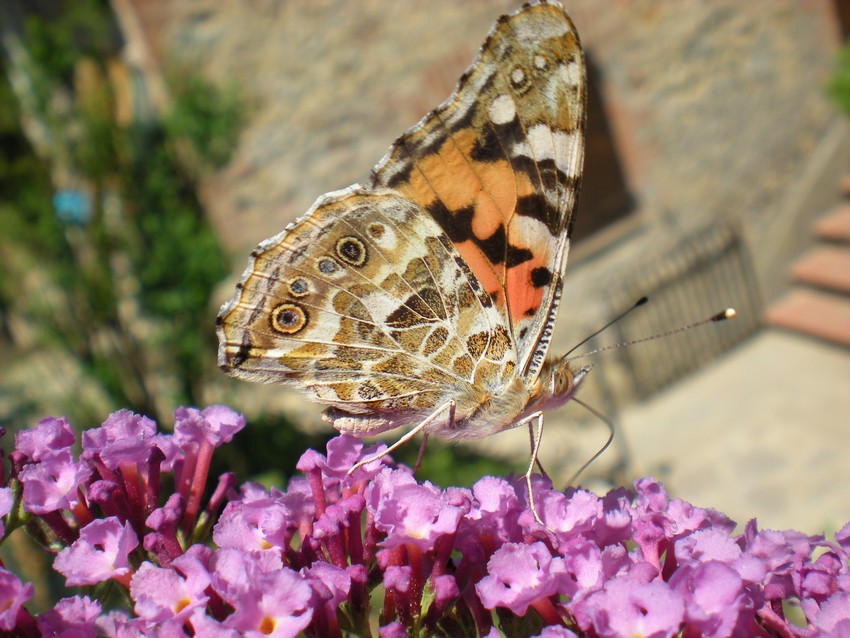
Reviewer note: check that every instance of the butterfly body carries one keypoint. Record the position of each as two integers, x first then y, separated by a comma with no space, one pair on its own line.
429,296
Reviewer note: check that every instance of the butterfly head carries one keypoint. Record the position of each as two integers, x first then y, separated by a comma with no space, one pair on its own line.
558,383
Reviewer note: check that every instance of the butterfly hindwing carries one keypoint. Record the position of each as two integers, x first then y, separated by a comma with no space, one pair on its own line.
367,307
498,165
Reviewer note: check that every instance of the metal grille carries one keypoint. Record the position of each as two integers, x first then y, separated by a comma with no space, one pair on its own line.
702,274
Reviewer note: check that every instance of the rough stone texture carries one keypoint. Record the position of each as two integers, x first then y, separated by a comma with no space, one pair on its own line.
716,103
714,106
329,85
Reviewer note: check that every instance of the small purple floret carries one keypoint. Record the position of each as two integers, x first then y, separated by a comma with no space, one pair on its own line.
13,595
102,552
73,617
518,575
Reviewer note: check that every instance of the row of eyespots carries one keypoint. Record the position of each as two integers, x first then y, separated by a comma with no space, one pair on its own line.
291,318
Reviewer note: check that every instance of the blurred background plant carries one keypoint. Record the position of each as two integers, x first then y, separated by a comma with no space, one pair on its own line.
99,205
839,84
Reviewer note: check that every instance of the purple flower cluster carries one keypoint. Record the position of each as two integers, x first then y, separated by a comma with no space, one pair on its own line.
337,554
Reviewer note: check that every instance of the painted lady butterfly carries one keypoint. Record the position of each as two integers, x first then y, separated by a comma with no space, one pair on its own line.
429,296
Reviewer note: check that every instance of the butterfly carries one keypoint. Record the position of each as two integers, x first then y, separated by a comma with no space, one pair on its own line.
428,297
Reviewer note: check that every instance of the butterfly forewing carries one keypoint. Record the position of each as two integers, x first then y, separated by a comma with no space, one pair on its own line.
498,165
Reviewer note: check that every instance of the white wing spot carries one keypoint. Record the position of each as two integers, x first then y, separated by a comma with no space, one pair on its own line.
502,110
517,76
540,62
543,143
570,74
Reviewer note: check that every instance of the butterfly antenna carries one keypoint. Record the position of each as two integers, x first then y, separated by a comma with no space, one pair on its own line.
720,316
728,313
608,422
636,305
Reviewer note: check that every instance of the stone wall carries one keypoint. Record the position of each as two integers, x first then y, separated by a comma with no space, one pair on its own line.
714,106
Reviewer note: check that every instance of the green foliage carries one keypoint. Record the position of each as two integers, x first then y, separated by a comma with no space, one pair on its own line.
446,464
148,242
207,116
24,182
24,198
174,251
839,85
78,28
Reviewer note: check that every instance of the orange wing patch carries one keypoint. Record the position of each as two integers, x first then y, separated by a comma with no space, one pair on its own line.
478,200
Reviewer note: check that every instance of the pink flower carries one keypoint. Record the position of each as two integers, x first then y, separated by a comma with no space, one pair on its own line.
393,630
172,593
343,452
101,552
49,436
715,597
123,439
256,525
214,425
409,512
628,606
267,601
52,482
208,627
833,617
73,617
13,594
629,563
492,520
6,502
518,575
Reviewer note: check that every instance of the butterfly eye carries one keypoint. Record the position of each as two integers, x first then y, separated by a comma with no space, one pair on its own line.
288,318
351,250
561,380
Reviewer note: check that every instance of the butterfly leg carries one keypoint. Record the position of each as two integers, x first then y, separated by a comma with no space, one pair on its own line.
536,438
449,405
531,439
535,450
421,453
